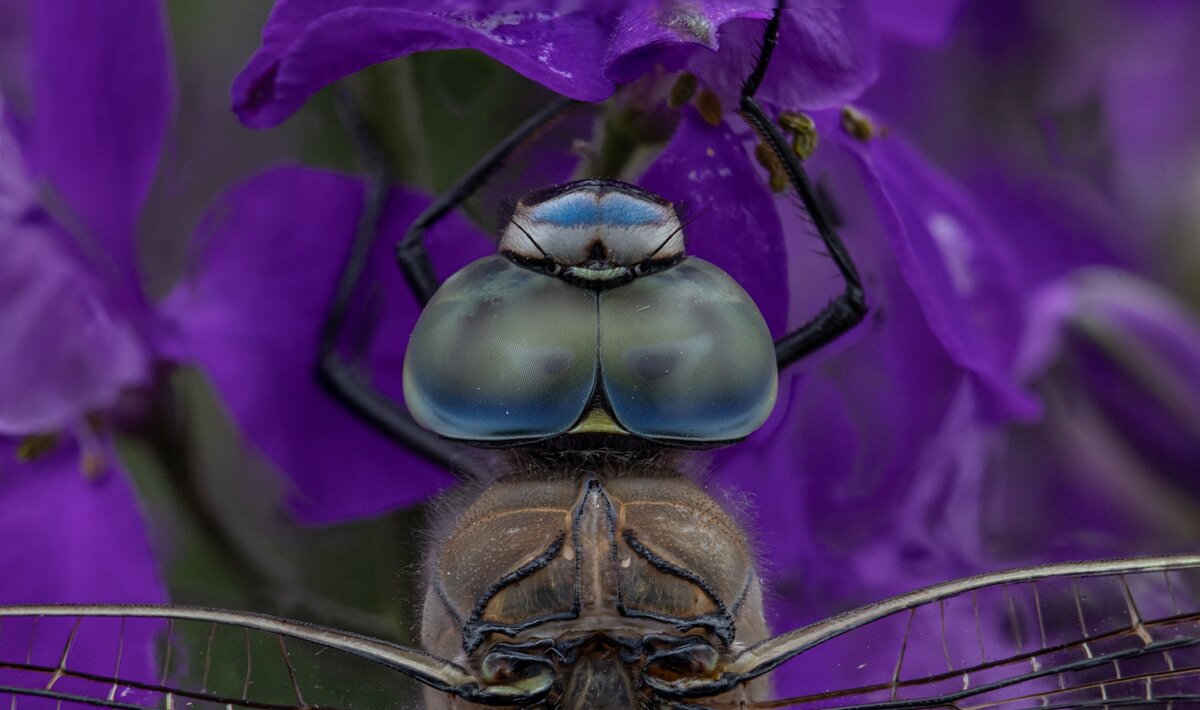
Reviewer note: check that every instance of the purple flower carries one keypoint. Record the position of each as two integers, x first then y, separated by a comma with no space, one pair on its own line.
1036,401
80,332
79,144
251,316
933,448
581,53
71,539
929,444
76,327
81,335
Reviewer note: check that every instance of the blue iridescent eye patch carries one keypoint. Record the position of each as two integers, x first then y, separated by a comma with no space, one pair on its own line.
583,210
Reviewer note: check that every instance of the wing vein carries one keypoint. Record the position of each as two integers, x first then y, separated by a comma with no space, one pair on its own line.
246,682
950,699
166,669
287,661
978,624
945,644
62,659
169,693
112,691
903,647
208,648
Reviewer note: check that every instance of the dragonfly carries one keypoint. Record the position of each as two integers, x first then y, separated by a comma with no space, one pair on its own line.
594,573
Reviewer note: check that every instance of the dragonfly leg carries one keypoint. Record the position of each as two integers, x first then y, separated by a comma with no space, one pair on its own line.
411,253
344,379
848,308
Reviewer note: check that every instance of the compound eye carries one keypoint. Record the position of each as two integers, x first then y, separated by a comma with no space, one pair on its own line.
506,671
502,353
697,660
686,357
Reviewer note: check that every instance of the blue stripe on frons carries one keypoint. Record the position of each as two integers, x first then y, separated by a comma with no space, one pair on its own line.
581,210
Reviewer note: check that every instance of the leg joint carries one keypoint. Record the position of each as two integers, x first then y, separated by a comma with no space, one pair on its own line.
855,301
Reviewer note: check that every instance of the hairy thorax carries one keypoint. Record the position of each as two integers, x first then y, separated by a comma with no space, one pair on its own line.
610,576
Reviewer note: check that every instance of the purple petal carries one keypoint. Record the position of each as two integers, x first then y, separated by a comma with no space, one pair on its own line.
736,225
1110,471
67,349
310,43
14,44
649,26
955,262
250,317
826,56
75,540
1055,226
103,96
1136,352
871,478
679,36
1153,117
84,537
1075,487
829,542
839,528
18,195
847,440
927,22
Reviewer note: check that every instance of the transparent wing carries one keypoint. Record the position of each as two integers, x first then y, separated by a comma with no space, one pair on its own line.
1104,634
136,657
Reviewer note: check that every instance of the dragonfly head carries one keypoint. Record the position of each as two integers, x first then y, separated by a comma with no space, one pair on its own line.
594,233
591,320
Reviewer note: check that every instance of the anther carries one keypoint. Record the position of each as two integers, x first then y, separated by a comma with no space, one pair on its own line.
803,130
35,446
709,106
856,124
682,90
769,160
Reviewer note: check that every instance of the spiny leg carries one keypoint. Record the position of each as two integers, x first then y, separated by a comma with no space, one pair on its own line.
411,253
848,308
343,379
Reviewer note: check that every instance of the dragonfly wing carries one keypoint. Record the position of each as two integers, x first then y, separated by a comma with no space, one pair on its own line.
135,657
1116,633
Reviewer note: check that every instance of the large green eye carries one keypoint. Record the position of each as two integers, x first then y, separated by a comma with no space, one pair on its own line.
505,353
502,353
686,356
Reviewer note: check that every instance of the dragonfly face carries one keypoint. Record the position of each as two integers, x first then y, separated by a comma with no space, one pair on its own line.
591,319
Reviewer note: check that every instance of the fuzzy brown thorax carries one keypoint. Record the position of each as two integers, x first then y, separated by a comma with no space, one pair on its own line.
598,580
